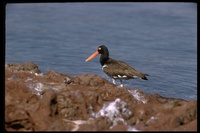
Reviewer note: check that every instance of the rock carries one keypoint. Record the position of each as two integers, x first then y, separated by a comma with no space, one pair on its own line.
57,102
29,66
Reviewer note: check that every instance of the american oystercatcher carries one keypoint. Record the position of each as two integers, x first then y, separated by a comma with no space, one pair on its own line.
116,69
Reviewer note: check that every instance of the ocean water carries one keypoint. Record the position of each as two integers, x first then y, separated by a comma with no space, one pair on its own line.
155,38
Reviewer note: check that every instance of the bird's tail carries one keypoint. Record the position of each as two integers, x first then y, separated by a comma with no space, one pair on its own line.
145,78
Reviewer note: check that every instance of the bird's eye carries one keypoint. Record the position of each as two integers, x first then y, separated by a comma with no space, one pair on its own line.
99,48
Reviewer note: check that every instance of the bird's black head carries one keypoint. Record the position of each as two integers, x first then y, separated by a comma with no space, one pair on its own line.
103,50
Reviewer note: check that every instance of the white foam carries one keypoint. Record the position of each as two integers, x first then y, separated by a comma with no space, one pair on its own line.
138,96
38,88
115,111
28,79
130,128
76,123
39,74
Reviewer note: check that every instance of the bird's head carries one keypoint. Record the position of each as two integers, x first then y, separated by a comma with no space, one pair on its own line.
103,50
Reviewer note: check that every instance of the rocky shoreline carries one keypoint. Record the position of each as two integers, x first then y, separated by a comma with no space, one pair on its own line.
57,102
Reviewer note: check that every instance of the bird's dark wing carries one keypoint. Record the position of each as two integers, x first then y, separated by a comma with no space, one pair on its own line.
121,68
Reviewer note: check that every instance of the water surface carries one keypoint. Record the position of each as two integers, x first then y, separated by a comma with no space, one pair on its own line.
155,38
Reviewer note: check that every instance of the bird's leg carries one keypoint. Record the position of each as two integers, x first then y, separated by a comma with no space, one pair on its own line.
121,84
114,81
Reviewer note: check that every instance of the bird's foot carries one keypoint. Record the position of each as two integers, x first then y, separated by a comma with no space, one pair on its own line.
120,86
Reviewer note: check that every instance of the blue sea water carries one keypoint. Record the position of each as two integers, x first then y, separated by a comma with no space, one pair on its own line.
155,38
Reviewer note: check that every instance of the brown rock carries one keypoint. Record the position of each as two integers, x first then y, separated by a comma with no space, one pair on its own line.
29,66
57,102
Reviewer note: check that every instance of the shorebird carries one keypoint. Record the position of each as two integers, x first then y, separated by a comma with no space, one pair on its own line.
115,69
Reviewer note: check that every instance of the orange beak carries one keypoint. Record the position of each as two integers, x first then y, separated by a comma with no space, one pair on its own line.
92,56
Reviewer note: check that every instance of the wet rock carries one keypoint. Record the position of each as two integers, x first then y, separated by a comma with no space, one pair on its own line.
71,105
57,102
57,77
29,66
90,80
17,119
